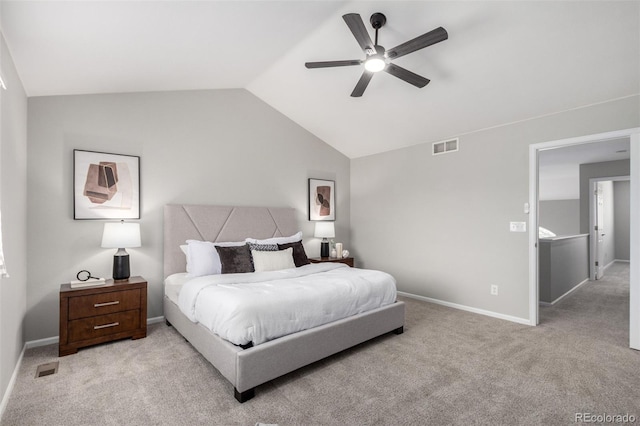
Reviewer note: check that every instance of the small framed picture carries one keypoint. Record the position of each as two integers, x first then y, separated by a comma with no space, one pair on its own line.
322,199
105,186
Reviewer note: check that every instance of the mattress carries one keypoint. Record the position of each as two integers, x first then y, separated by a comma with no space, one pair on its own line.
172,285
258,307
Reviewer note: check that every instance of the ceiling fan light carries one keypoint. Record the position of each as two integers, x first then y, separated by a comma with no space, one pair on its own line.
374,64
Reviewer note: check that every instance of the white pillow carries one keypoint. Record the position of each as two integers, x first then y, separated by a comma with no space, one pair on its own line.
277,240
203,259
272,260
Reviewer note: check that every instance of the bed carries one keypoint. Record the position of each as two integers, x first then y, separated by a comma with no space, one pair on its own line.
247,366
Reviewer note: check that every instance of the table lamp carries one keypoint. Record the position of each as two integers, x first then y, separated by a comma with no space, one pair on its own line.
121,235
324,230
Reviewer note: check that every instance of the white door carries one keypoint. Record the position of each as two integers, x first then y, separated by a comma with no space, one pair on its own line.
600,231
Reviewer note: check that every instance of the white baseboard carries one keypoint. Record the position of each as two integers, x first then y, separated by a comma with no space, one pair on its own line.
12,382
609,264
566,294
41,342
155,320
55,339
524,321
622,261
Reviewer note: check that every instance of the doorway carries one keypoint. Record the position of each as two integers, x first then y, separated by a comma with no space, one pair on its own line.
608,228
633,136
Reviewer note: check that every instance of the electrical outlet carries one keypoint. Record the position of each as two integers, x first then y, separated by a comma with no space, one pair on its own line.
494,290
518,226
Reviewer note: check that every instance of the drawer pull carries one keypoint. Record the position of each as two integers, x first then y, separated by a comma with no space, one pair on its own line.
113,324
99,305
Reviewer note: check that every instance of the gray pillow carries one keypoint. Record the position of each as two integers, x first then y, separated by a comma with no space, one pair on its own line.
235,259
299,255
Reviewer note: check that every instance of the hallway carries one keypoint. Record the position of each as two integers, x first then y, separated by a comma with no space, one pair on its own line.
598,309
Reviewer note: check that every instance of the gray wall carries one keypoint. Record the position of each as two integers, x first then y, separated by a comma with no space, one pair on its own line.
597,170
440,224
563,264
222,147
621,213
560,216
13,201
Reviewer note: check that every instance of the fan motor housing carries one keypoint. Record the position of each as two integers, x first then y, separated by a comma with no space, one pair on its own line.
378,20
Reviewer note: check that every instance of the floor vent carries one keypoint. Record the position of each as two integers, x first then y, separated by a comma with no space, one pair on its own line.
47,369
445,147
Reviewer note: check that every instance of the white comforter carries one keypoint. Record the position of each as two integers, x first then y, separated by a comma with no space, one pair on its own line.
262,306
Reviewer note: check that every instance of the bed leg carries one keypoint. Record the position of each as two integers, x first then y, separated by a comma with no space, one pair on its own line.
166,321
244,396
399,330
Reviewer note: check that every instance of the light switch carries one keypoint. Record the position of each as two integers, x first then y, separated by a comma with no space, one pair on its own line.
518,226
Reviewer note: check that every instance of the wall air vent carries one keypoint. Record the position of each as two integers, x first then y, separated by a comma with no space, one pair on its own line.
445,147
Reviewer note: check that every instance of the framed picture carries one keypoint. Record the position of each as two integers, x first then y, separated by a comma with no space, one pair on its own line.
322,199
105,186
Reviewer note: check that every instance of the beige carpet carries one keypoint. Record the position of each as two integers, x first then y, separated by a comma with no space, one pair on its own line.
449,367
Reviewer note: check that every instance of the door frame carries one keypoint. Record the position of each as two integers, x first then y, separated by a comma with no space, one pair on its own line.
634,284
592,218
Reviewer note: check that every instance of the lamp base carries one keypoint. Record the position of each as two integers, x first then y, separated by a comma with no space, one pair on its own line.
121,265
324,249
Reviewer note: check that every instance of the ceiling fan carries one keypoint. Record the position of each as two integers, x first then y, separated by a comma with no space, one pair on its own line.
379,59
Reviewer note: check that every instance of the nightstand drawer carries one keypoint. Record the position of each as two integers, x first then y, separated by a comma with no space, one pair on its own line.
103,325
104,303
345,260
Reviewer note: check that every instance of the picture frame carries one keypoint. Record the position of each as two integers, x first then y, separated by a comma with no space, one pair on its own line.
105,185
322,200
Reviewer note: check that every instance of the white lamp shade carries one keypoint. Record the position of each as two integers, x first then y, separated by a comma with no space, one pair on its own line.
324,230
121,235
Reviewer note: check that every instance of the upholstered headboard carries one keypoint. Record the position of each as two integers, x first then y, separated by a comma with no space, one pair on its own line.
219,223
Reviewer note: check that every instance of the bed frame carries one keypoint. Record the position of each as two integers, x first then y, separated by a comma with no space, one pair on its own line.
248,368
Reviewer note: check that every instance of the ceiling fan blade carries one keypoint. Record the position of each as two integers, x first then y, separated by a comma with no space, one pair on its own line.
420,42
362,84
406,75
327,64
355,24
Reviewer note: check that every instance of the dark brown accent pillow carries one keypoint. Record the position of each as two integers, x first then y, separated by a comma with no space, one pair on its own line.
235,259
299,255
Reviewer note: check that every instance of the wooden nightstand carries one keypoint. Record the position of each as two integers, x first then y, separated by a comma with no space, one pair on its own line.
345,260
92,315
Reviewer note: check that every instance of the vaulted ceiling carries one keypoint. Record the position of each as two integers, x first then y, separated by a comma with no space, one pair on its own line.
503,62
